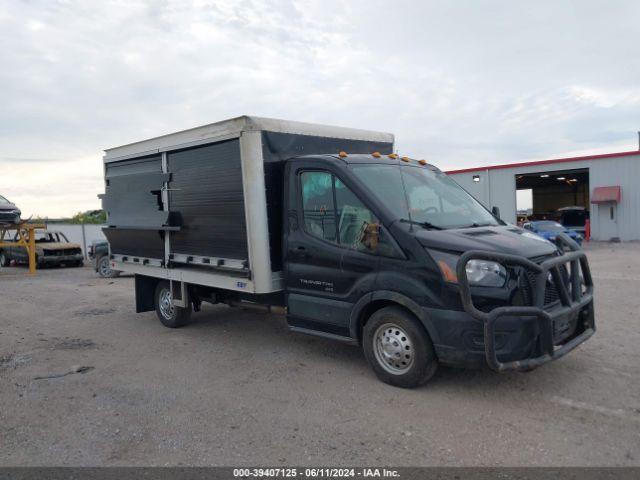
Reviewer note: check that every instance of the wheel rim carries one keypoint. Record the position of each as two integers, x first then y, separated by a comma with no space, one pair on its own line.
393,349
2,259
105,268
166,304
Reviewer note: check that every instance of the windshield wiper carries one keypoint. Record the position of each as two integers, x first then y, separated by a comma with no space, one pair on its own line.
475,225
422,224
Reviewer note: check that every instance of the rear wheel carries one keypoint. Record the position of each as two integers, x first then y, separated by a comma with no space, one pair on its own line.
4,261
398,348
169,314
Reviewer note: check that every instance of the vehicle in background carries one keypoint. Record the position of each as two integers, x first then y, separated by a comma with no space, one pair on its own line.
52,249
573,218
549,230
99,254
349,240
9,213
520,219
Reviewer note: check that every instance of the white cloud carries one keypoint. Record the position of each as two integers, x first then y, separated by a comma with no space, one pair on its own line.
460,83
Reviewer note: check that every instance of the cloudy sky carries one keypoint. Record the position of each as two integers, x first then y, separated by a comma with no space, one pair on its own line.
461,83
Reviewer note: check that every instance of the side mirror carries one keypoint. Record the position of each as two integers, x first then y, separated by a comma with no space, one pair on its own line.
496,211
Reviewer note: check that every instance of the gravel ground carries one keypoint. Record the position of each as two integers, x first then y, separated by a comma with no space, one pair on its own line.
237,388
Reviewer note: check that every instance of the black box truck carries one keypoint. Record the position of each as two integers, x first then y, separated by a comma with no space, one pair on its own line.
350,241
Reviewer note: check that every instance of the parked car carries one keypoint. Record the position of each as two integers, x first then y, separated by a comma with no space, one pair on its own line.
99,254
549,230
52,248
9,213
574,218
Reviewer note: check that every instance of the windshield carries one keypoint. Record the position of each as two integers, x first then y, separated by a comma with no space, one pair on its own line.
423,195
3,200
549,226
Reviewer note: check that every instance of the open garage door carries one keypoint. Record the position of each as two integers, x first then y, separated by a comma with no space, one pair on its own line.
561,195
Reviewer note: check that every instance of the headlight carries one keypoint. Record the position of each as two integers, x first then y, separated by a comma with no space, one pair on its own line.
481,273
486,273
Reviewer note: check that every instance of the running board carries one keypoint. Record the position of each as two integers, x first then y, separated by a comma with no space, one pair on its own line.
330,336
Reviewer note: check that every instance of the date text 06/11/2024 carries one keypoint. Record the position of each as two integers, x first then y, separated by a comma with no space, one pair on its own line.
315,473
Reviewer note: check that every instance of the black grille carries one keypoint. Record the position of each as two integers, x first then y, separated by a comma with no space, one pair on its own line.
10,215
550,292
528,281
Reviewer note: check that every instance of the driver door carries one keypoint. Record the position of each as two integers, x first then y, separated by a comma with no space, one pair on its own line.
330,262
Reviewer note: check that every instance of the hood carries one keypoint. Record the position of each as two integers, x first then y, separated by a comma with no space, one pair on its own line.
504,239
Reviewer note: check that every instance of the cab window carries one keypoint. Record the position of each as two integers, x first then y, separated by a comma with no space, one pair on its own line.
353,216
318,205
334,213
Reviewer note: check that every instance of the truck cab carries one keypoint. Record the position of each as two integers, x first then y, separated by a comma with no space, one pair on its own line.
372,247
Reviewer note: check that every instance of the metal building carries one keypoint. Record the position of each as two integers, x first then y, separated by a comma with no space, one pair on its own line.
606,186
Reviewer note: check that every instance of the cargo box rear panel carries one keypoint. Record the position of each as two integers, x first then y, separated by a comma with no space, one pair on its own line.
134,209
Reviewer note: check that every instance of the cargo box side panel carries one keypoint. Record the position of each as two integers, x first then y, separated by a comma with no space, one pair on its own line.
279,146
136,243
133,206
206,199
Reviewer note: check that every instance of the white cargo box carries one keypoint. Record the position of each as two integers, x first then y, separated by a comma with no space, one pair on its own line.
204,206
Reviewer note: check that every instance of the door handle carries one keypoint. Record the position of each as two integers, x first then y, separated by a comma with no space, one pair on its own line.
302,251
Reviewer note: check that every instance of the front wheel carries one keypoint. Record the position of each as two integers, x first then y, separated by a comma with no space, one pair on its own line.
169,314
4,260
104,268
398,348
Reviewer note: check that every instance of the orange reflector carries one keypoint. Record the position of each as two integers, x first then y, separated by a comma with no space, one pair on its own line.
393,155
447,272
422,162
376,154
342,154
405,159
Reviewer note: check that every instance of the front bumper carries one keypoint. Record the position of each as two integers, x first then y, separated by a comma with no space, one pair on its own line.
553,332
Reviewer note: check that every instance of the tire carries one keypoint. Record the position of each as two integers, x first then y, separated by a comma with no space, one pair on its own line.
79,263
104,268
4,260
170,315
398,348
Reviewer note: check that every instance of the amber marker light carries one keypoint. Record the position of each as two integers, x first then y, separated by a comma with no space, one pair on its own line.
447,272
422,162
342,154
376,154
393,155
